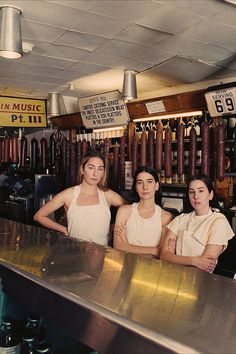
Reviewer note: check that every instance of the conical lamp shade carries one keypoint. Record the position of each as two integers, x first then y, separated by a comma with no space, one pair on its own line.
53,104
129,90
10,33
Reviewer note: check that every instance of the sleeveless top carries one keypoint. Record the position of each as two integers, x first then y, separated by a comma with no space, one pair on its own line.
144,232
89,222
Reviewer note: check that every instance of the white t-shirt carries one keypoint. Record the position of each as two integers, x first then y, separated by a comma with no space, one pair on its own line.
195,232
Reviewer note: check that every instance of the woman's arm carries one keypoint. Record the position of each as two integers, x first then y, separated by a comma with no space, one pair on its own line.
114,199
42,215
120,238
206,261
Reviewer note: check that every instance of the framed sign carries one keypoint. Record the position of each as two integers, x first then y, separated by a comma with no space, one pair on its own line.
22,112
221,102
104,110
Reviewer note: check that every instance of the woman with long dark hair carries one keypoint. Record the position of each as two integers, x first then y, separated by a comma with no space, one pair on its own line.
87,205
198,237
140,227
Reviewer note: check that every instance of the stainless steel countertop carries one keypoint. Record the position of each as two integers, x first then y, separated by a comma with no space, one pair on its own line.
181,308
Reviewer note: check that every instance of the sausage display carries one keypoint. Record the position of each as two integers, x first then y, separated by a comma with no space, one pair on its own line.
6,153
180,149
168,152
84,147
14,153
34,153
43,153
72,163
151,147
159,147
122,162
115,167
220,153
205,148
134,153
192,151
143,148
23,151
53,148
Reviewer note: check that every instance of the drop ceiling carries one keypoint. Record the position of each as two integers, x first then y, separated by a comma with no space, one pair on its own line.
81,47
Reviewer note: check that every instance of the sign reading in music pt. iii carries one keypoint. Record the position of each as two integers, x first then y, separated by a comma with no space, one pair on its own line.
22,112
221,102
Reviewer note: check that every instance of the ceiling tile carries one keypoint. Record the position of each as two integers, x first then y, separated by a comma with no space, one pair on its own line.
46,61
79,4
87,68
64,52
81,40
37,31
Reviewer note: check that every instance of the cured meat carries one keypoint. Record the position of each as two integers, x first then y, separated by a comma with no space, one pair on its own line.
23,151
106,155
14,149
122,162
159,147
72,164
151,147
167,153
53,149
79,155
93,144
43,153
84,147
205,149
34,153
220,153
115,169
192,151
6,154
180,149
134,153
143,148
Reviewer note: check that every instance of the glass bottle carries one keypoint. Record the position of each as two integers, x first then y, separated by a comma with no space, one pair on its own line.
28,343
34,326
10,341
44,348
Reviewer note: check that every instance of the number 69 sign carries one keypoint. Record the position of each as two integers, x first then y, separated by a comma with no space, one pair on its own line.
221,102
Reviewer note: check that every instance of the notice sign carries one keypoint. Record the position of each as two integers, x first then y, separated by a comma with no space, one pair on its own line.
221,102
103,110
155,107
22,112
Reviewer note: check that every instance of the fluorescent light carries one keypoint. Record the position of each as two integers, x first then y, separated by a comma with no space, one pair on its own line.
167,116
100,130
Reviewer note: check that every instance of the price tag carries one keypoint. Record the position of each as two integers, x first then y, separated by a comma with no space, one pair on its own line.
221,102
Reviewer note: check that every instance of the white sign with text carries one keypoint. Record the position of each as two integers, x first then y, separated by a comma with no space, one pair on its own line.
104,110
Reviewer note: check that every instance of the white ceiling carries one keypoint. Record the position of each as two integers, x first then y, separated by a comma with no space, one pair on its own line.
81,47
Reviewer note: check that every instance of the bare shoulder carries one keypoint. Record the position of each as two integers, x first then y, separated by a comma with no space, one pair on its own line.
123,214
166,217
113,198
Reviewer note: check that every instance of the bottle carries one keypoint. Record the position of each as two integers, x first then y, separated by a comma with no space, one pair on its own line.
10,341
44,348
34,326
28,343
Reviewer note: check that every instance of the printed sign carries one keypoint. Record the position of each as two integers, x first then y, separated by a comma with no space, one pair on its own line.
103,110
22,112
221,102
155,107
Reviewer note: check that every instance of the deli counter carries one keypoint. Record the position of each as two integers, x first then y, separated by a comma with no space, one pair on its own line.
116,302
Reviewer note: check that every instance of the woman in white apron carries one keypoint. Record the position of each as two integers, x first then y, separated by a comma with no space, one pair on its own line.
140,227
199,237
87,205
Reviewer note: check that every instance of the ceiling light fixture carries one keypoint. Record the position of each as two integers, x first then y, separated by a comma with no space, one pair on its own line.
168,116
129,90
100,130
53,104
10,33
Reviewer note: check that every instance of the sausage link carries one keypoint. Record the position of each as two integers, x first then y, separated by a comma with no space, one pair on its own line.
84,147
159,147
93,144
106,155
6,154
151,148
134,151
14,151
53,149
167,152
205,149
220,153
23,151
122,162
115,169
72,163
43,153
143,148
192,151
180,149
34,153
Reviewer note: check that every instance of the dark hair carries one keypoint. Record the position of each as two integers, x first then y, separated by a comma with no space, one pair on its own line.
89,154
151,171
214,203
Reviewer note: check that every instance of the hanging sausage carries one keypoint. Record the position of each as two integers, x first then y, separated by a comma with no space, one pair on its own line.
220,153
115,167
14,153
180,150
143,148
159,146
6,154
43,153
151,147
34,153
205,148
122,162
23,151
72,163
134,153
192,151
106,155
53,149
168,153
84,147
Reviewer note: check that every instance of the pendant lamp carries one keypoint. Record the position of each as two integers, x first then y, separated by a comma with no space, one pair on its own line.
129,90
53,104
10,33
